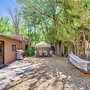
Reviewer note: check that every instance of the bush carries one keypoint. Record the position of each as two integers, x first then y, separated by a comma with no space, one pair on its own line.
30,51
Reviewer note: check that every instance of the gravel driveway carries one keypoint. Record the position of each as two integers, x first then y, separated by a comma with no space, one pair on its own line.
48,73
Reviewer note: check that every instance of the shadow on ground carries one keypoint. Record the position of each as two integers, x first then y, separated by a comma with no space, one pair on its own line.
53,73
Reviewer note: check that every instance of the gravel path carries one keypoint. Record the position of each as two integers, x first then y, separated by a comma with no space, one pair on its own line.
14,72
51,73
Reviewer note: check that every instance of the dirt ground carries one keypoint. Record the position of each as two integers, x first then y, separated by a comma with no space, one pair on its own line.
53,73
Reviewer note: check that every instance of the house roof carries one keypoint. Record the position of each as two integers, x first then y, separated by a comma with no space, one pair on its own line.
17,37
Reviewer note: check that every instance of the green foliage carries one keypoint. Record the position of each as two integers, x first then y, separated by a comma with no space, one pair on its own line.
35,13
52,21
30,51
5,26
62,20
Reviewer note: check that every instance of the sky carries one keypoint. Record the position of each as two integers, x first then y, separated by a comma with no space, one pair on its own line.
5,5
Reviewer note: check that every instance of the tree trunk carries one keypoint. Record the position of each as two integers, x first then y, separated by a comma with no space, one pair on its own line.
57,49
89,46
87,49
15,19
35,33
84,40
17,30
77,46
42,28
70,48
62,49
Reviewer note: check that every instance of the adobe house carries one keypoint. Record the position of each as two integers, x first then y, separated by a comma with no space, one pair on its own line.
8,47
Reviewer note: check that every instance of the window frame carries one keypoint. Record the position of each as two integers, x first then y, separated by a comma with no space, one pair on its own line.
14,48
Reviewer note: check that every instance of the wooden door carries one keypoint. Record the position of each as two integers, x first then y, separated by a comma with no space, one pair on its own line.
1,52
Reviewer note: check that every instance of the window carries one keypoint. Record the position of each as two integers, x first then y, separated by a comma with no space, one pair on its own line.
13,47
26,47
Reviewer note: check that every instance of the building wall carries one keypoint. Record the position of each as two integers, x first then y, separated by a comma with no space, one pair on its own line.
24,43
9,55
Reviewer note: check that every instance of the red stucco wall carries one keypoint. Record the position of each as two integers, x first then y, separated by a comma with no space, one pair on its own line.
25,43
10,55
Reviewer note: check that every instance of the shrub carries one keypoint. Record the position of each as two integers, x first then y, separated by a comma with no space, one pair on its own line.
30,51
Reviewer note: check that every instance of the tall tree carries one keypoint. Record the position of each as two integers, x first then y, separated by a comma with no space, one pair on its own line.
15,20
63,22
